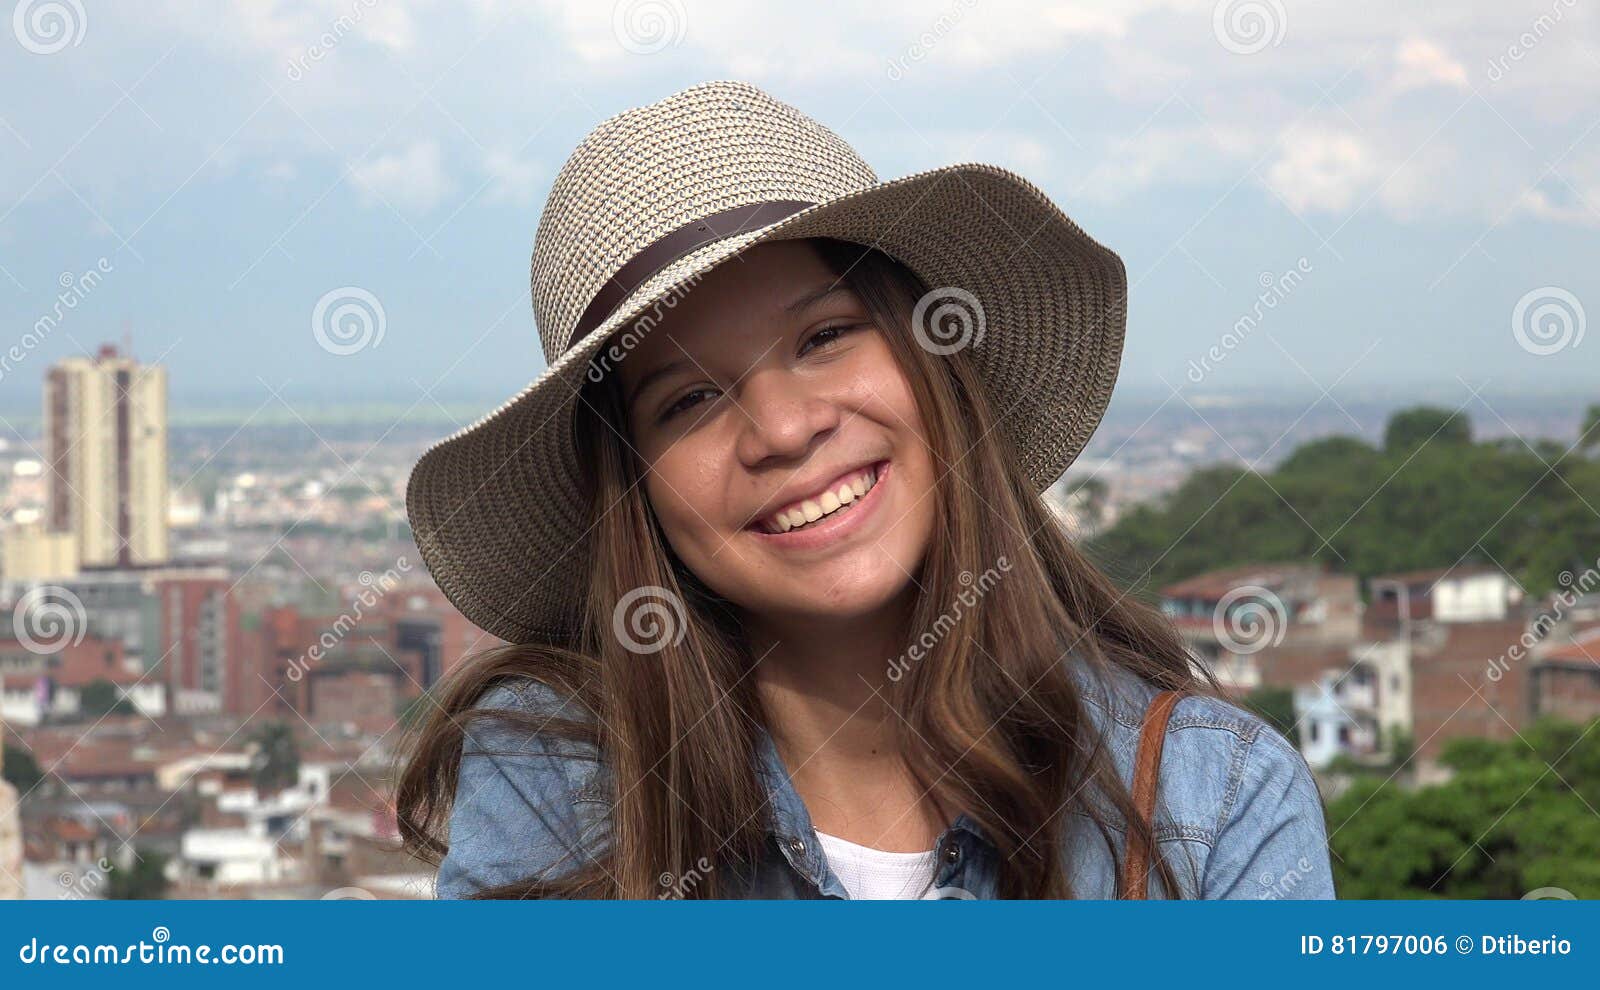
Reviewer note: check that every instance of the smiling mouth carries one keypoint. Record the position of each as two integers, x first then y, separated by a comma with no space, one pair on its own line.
839,498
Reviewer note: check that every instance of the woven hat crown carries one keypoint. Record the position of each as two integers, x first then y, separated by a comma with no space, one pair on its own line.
650,170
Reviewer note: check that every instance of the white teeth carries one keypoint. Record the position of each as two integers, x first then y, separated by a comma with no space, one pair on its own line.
829,502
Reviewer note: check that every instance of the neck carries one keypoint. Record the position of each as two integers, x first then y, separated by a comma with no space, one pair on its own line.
822,683
822,686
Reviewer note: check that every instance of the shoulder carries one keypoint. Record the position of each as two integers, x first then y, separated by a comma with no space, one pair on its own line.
1233,792
527,800
1214,753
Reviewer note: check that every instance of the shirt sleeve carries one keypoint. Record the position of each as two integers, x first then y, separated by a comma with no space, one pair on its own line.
515,812
1274,843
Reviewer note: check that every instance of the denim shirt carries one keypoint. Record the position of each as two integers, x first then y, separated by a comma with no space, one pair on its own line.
1238,814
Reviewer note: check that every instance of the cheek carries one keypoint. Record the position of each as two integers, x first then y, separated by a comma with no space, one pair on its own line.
685,488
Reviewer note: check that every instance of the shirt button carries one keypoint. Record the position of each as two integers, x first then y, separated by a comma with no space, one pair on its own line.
797,847
952,853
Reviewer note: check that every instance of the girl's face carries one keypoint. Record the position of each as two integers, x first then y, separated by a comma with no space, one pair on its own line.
785,455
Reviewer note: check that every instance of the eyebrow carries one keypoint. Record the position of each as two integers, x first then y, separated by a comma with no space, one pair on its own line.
655,375
816,295
808,298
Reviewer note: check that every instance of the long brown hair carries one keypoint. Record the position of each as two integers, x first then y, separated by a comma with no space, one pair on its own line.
992,722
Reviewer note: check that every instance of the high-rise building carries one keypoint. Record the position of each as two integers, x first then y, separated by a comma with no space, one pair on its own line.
105,434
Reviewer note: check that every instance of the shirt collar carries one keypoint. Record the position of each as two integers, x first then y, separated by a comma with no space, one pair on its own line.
786,815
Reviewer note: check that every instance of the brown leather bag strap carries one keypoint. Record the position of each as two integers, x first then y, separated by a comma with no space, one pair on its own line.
1146,771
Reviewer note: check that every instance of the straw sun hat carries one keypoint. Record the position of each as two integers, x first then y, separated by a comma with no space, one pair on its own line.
655,197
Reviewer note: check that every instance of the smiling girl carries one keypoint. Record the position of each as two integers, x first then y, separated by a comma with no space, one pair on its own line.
785,614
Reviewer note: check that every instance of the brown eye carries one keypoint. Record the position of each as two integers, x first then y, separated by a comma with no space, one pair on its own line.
686,401
826,336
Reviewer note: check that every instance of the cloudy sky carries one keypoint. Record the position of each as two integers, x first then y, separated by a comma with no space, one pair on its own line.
1431,171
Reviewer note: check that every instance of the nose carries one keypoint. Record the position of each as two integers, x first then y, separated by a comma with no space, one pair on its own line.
784,417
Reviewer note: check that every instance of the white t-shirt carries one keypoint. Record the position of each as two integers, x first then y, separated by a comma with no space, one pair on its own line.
872,874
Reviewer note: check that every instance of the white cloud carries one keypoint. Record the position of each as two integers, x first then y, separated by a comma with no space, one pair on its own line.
1323,169
512,181
1420,63
413,179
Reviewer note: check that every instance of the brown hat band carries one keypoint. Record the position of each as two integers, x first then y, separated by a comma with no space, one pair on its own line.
673,245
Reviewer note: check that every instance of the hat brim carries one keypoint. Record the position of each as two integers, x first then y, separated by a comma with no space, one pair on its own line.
496,508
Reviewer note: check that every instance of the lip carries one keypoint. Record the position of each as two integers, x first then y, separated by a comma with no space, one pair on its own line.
835,527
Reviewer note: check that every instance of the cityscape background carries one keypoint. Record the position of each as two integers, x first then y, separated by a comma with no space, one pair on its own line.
256,258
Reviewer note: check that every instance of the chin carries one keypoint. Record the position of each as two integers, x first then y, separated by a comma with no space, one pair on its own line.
845,591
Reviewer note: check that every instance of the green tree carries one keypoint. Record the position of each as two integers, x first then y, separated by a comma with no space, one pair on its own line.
101,697
1411,428
144,880
1589,433
1514,817
1276,705
1383,510
276,760
20,769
